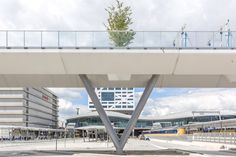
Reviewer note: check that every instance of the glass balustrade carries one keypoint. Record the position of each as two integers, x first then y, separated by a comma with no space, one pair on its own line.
117,40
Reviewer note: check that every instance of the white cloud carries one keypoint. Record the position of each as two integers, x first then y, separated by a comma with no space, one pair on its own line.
203,99
67,109
68,93
69,100
90,14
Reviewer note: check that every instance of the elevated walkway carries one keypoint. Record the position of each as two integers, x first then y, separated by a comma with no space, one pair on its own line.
117,68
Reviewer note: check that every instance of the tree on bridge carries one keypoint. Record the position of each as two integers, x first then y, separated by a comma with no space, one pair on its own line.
119,21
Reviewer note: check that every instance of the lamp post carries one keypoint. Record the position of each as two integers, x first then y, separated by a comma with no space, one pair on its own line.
77,111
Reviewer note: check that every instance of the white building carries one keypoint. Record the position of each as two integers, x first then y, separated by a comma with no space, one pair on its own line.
115,99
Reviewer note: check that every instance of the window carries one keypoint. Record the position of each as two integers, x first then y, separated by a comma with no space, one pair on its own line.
118,106
118,88
130,106
107,96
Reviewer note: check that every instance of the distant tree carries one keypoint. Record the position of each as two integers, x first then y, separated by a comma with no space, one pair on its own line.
119,21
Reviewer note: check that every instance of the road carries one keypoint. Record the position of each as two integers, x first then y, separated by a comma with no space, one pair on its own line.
189,147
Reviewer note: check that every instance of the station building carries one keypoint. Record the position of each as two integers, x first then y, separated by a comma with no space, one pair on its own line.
120,120
28,107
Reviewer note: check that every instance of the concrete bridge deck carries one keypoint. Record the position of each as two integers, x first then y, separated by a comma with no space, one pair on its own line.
118,67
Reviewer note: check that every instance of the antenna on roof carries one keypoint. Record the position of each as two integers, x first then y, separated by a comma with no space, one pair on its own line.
77,111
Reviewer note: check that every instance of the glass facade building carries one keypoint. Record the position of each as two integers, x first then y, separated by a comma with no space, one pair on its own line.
120,120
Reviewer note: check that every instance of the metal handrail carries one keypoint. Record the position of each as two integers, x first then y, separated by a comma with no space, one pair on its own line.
43,39
216,137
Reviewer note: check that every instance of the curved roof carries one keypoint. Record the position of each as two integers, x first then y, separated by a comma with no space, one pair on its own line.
95,114
177,115
190,114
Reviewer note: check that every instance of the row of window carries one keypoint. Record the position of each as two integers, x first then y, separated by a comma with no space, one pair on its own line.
115,88
117,106
124,92
115,101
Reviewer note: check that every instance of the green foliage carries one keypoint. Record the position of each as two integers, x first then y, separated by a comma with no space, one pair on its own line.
118,25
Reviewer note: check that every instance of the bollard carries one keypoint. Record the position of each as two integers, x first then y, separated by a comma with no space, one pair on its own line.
56,143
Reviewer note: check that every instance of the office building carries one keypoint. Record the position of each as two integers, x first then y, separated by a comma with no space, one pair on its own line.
28,107
115,99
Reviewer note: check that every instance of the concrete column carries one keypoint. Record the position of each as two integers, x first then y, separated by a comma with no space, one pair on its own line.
148,89
100,110
119,143
96,135
83,135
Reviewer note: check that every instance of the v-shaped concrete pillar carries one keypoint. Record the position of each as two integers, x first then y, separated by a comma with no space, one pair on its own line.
147,91
119,143
101,112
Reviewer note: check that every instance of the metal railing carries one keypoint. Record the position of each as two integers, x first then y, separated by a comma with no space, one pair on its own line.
219,137
26,39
